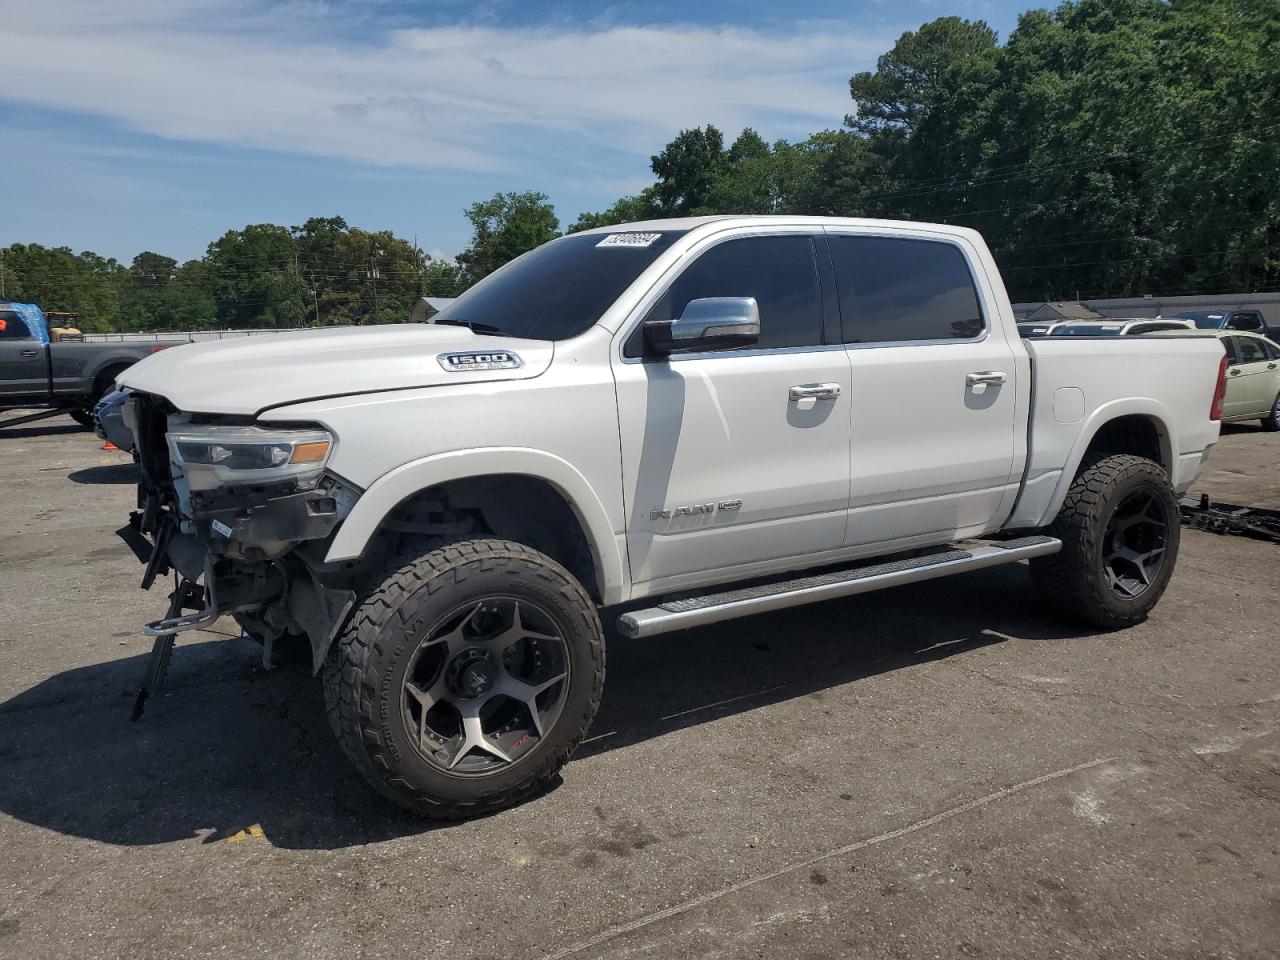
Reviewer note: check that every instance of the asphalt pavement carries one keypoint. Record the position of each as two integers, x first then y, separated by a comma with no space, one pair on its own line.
942,770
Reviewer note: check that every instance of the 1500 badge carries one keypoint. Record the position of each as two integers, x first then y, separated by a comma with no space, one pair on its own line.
480,360
694,509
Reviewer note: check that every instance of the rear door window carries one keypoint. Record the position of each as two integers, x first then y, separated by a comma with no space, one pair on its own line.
779,272
1250,350
1245,321
895,289
12,327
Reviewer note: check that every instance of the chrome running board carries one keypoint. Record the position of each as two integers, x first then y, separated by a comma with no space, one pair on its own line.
728,604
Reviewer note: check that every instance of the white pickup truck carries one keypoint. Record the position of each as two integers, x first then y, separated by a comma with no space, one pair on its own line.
673,422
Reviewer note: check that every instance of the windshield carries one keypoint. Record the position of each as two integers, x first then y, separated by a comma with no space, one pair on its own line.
560,289
1088,330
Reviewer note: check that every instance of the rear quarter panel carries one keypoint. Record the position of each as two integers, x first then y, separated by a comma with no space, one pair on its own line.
1080,384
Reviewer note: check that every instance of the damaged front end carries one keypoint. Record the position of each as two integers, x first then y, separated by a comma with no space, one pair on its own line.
241,514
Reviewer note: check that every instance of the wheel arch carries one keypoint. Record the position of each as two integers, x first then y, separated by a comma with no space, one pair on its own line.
551,483
1135,425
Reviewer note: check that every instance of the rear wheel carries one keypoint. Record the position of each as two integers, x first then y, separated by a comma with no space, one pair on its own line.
82,416
465,678
1120,531
1272,420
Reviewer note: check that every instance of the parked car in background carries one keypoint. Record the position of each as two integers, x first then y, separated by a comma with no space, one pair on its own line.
1118,327
1037,328
35,372
1247,321
1253,378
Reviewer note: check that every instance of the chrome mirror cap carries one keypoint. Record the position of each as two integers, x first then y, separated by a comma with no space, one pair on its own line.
712,323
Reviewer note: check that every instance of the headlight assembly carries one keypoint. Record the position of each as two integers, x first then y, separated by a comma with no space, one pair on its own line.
213,455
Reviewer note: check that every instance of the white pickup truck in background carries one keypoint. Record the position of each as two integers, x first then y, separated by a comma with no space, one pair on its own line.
672,422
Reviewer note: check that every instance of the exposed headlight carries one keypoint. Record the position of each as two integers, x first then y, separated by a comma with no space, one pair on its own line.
215,455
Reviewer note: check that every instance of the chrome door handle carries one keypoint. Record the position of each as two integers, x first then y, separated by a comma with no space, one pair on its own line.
985,376
27,354
814,391
1234,373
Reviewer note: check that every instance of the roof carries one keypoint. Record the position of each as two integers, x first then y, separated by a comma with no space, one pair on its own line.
1063,310
745,220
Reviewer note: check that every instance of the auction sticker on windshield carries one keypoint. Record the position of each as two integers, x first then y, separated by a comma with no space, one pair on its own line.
628,240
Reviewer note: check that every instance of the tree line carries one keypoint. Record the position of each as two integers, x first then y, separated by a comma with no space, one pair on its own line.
1108,148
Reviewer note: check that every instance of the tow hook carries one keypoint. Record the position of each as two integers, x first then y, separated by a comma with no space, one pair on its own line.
187,595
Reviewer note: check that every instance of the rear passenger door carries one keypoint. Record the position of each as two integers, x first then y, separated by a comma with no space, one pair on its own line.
933,389
737,460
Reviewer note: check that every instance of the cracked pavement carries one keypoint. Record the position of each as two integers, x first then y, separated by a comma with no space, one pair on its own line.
940,770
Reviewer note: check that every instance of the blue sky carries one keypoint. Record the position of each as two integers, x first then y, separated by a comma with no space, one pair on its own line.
160,124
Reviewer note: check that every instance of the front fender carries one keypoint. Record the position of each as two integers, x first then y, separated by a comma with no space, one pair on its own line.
395,486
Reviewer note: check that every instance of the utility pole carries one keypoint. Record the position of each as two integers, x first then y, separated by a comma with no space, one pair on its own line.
373,277
1,273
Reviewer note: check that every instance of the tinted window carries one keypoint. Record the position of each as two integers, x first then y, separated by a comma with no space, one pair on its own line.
560,289
780,272
1273,351
1245,321
1250,350
12,327
893,289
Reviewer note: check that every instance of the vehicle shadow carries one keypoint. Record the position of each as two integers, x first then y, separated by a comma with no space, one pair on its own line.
230,746
50,428
1243,426
108,473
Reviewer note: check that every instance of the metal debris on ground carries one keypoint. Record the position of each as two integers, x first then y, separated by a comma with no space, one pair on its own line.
1228,518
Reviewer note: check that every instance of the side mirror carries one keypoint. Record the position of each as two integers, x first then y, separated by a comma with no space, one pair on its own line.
712,323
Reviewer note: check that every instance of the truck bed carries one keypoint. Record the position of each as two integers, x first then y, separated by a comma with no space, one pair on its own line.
1081,382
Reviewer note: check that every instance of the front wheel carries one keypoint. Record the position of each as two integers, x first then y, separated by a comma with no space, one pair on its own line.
82,416
464,679
1119,528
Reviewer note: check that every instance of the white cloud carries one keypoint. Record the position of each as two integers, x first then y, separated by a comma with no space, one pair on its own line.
309,78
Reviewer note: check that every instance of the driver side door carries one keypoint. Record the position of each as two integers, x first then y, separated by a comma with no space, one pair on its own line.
736,461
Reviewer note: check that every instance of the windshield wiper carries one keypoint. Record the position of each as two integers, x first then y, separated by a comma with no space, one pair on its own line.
472,325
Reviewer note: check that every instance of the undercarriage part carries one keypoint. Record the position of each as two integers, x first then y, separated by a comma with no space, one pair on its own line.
319,611
185,594
1229,518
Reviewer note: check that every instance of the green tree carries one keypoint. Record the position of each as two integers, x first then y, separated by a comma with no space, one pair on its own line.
642,206
687,169
505,226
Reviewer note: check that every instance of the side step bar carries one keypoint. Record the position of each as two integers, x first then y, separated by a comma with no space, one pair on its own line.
729,604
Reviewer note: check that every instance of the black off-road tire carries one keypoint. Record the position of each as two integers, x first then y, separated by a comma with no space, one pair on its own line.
82,416
1074,580
366,665
1271,422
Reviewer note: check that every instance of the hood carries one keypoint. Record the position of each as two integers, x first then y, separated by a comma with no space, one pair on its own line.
246,375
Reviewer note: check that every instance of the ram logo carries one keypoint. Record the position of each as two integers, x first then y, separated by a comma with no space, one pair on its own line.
480,360
695,509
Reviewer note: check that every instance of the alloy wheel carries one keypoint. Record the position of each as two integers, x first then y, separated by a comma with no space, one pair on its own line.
1134,544
485,685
